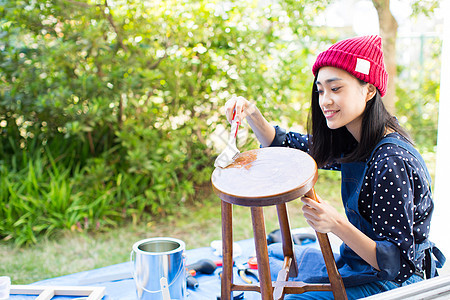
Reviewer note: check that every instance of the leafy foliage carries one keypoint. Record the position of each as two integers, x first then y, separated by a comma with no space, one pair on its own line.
426,8
418,91
107,107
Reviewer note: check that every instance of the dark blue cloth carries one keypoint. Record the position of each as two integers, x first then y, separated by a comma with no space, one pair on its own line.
314,259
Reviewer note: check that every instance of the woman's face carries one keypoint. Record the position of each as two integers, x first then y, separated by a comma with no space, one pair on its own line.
342,99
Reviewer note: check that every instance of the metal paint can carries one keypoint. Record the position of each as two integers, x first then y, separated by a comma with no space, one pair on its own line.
159,269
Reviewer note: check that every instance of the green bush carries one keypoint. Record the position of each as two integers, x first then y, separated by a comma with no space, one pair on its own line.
36,196
418,92
107,108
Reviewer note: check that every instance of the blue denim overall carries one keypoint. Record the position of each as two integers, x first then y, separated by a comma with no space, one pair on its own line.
353,269
352,180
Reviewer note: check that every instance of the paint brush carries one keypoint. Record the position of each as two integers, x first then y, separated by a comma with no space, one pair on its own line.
231,151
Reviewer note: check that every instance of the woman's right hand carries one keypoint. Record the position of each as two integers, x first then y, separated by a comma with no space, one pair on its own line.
264,132
242,106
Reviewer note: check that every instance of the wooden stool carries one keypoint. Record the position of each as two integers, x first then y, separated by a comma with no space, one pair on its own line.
265,177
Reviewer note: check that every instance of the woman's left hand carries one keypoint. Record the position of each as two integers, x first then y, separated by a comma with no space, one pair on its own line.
320,215
325,218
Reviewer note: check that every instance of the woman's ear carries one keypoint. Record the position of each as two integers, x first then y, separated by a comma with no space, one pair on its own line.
371,91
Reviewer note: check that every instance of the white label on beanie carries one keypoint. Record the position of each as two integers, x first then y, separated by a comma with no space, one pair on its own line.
362,66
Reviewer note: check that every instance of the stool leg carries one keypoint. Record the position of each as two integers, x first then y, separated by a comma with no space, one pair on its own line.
285,229
262,255
227,251
337,285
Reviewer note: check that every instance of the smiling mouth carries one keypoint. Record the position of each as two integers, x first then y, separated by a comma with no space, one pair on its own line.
330,113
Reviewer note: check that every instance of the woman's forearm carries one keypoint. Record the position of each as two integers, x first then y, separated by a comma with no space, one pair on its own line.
265,133
360,243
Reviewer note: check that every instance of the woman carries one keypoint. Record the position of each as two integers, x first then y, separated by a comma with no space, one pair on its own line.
386,188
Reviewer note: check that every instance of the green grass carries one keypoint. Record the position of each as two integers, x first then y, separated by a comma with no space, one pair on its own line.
196,224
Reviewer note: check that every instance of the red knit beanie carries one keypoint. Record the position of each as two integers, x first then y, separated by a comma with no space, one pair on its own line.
360,56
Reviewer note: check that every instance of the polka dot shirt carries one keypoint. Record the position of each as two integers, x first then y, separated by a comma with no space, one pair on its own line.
395,198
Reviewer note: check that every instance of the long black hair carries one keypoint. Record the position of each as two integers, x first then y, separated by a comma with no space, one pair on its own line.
338,145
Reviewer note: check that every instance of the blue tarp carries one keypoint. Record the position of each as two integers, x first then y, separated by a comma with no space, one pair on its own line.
125,289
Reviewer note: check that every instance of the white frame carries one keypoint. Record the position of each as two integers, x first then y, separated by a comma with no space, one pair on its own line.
48,292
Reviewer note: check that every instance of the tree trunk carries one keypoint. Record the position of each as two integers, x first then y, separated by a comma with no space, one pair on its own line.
388,31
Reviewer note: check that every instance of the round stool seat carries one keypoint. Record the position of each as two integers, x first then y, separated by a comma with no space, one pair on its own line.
265,176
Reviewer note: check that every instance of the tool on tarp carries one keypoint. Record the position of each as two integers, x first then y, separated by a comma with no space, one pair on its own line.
253,263
205,266
247,274
231,151
299,238
236,295
191,282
